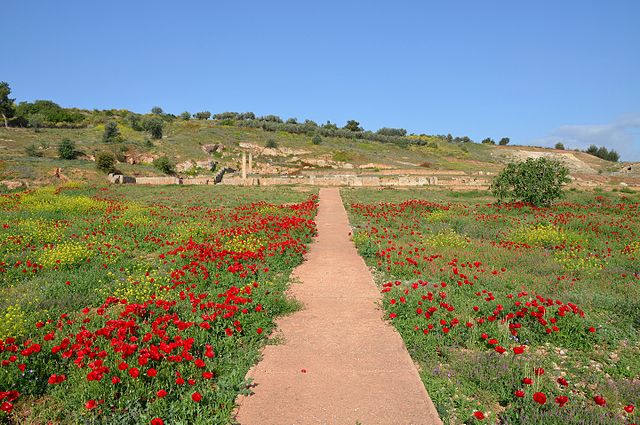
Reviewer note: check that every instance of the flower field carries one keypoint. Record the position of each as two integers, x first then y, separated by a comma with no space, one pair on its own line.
514,314
140,306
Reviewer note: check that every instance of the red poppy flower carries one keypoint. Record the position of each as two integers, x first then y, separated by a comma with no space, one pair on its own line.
629,408
259,331
161,393
123,366
6,407
518,350
134,372
115,380
152,372
527,381
562,381
91,404
562,400
478,415
540,398
196,397
157,421
600,401
207,375
519,393
539,371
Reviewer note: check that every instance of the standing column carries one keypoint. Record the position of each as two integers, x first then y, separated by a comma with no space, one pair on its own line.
250,163
244,165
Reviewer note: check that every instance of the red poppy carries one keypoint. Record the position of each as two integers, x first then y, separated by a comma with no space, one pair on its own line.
134,372
600,401
91,404
527,381
152,372
629,408
519,349
196,397
562,381
540,398
157,421
519,393
562,400
539,371
478,415
161,393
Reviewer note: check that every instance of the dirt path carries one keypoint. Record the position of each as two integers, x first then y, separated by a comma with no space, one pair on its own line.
340,363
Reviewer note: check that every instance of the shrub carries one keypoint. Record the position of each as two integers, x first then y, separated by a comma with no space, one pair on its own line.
488,141
186,116
164,165
33,151
156,110
271,144
111,133
204,115
154,127
106,162
316,140
504,141
536,181
386,131
67,149
559,146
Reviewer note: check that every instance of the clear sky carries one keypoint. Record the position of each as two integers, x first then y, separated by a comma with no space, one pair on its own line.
538,72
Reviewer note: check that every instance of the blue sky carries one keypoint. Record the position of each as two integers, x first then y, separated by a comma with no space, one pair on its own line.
537,72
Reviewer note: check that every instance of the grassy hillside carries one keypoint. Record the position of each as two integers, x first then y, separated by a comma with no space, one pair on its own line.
295,153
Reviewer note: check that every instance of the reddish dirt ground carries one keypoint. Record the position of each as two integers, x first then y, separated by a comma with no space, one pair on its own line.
339,362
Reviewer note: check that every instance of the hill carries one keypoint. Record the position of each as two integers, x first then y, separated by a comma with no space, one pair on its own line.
201,147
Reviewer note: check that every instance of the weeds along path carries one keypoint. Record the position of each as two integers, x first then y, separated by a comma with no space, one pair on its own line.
338,361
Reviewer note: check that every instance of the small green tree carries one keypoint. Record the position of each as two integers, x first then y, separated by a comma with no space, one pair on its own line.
6,104
106,162
111,132
154,126
353,125
156,110
535,181
488,141
316,140
204,115
185,116
271,143
559,146
164,165
67,149
504,141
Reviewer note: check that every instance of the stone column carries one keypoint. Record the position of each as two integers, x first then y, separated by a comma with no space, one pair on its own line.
244,165
250,163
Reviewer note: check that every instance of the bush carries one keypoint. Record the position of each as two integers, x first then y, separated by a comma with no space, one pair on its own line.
536,181
33,151
186,116
271,144
154,127
67,149
316,140
559,146
111,133
488,141
204,115
156,110
164,165
106,162
504,141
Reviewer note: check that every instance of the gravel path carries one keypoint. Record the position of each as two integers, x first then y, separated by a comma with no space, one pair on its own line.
339,362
